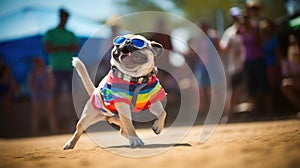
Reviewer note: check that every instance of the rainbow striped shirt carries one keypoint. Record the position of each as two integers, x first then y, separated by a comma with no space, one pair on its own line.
118,90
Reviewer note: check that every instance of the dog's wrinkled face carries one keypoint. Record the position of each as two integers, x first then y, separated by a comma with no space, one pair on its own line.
134,54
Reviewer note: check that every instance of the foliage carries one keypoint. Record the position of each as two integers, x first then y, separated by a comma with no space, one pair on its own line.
139,5
197,9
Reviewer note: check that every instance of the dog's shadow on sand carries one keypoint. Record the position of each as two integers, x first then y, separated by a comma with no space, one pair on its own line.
152,146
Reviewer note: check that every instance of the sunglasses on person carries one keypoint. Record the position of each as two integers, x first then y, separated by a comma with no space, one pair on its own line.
138,43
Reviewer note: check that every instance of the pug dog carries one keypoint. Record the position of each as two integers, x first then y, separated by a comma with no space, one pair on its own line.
130,86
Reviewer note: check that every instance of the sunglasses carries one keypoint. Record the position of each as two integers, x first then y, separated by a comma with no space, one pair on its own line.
138,43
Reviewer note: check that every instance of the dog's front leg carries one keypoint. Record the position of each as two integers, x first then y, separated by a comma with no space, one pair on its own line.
158,110
126,119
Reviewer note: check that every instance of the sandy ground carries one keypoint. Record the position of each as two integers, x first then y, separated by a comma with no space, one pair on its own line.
260,144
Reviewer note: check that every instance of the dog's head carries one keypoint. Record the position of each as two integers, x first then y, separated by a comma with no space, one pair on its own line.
134,54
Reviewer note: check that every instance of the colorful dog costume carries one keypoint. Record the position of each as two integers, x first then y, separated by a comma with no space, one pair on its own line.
140,92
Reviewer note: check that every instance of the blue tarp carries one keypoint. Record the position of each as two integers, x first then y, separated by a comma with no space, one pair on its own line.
18,55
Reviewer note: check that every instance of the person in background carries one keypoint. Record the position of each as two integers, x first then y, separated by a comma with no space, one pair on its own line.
61,45
190,56
162,35
290,84
206,50
41,83
254,9
233,57
272,54
7,91
255,70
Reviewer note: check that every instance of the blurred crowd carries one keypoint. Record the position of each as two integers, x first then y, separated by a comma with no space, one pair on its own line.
262,74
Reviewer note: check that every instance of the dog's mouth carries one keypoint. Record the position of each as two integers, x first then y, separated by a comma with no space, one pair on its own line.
120,53
130,58
123,55
134,57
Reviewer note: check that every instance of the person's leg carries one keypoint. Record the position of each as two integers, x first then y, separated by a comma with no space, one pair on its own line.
73,118
227,108
250,85
62,100
264,90
208,98
202,99
51,115
7,106
204,90
57,94
249,80
238,89
35,117
59,78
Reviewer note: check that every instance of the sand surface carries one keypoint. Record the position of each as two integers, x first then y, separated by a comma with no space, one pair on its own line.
259,144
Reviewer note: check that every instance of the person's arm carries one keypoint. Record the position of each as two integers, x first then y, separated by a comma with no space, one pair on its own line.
225,47
51,48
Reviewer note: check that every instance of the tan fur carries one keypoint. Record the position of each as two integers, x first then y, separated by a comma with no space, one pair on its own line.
91,116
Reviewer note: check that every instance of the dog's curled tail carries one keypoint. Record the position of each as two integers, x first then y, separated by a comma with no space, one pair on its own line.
87,82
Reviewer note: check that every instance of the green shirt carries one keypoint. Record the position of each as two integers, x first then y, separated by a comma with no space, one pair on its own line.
60,60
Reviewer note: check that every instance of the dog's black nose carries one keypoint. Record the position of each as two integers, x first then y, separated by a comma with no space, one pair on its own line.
127,47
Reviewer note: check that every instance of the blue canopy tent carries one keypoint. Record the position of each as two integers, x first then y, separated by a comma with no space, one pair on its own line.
21,36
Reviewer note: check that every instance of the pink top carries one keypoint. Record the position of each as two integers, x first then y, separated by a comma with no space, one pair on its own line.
253,50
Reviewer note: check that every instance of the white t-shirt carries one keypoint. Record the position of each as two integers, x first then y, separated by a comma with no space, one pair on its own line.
233,59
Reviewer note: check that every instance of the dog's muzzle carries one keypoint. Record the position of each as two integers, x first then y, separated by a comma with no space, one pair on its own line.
126,48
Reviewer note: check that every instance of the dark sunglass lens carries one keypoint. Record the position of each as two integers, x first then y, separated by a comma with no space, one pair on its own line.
119,40
138,43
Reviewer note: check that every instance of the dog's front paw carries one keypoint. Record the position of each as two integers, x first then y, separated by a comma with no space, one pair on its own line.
135,142
157,127
68,145
158,124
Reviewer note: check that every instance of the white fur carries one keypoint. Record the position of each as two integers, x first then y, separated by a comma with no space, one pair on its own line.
87,82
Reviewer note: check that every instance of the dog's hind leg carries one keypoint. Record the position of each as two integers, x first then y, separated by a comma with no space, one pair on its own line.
89,117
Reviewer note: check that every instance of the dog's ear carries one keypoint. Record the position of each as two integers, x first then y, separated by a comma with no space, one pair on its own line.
157,48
